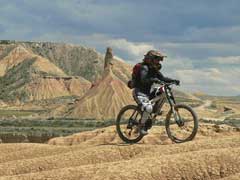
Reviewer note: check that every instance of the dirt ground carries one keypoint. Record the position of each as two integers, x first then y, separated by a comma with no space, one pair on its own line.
100,154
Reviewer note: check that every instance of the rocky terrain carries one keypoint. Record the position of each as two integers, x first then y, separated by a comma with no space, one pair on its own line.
214,154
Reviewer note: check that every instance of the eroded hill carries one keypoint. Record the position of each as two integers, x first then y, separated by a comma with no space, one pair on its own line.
104,100
212,155
32,71
26,76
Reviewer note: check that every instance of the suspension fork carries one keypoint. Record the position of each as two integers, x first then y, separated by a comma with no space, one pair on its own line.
170,97
172,103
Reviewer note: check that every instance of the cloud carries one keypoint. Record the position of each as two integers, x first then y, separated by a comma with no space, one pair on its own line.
133,49
2,29
130,51
172,63
158,20
228,60
199,50
216,76
206,76
213,34
212,81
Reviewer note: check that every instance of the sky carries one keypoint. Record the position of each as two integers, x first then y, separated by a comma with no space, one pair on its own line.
201,38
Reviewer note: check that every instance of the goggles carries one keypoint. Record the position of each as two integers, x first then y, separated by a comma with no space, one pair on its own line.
158,58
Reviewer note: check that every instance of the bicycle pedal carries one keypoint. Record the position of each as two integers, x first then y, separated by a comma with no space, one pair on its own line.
160,113
129,126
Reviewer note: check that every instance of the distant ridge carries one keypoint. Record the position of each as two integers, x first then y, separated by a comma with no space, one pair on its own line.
74,60
23,76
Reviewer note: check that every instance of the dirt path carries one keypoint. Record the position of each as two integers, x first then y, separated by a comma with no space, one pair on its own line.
206,104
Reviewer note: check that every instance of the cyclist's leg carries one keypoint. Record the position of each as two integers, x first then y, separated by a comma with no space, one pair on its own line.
143,101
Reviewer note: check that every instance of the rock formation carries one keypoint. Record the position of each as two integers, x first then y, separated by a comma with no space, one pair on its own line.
107,96
108,58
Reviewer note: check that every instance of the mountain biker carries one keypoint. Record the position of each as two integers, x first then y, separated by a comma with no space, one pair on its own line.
149,73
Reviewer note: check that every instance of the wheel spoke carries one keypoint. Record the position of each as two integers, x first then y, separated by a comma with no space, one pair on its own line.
127,124
183,125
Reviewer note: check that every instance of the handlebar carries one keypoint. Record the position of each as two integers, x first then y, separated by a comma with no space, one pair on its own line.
172,83
166,84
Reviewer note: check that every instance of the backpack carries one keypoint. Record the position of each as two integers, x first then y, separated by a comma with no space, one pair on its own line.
135,76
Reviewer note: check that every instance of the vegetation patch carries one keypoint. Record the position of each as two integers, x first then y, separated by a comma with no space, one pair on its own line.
16,113
25,130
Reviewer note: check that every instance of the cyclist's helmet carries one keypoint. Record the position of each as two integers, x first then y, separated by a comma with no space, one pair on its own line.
153,54
153,58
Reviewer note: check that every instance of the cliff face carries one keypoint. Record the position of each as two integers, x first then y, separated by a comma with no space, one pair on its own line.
26,76
74,60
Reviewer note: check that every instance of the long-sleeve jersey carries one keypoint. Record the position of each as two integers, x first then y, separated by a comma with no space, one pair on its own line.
147,77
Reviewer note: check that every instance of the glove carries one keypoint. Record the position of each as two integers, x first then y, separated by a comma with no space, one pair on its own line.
155,80
177,82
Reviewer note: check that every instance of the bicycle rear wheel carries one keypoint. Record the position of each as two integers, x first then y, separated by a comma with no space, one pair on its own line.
182,126
127,124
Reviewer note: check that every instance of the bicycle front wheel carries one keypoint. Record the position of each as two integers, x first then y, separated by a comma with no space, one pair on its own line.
127,124
182,125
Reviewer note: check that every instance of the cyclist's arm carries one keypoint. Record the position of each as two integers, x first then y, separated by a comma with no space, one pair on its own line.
145,80
163,78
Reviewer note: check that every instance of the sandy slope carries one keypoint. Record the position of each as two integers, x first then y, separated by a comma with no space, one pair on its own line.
209,164
157,135
122,70
212,155
232,177
30,71
46,88
104,100
12,56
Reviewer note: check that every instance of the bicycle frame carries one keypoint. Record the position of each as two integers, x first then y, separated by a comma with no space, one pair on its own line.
159,101
170,97
167,94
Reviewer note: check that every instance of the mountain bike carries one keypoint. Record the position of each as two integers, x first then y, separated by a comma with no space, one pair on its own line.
181,121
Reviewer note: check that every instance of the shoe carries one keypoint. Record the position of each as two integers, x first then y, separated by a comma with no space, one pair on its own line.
143,129
160,113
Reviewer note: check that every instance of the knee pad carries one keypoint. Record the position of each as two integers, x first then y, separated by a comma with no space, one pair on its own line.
148,108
